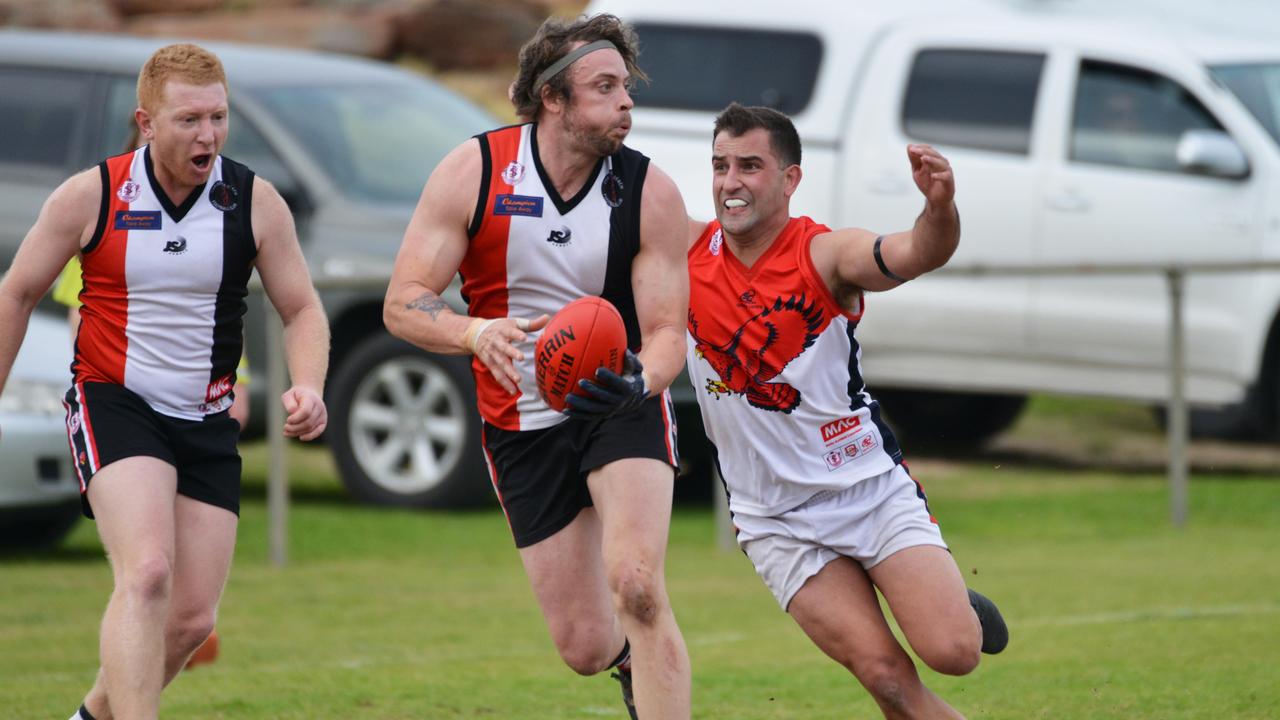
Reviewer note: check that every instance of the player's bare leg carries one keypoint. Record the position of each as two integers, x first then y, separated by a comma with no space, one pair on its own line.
838,609
633,498
204,545
133,501
927,596
567,574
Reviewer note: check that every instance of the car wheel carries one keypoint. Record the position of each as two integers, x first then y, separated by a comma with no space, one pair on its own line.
404,429
41,526
931,421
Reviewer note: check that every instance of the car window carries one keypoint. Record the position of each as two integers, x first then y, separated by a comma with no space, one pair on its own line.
730,66
1133,118
378,142
244,143
973,98
1257,85
42,115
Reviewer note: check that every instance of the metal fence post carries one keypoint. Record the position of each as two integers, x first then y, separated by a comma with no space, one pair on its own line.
278,477
1178,425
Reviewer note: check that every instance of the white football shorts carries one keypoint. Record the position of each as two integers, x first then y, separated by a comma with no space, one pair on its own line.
868,521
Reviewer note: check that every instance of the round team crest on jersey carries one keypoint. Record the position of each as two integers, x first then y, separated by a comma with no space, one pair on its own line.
611,188
224,197
129,191
717,239
513,173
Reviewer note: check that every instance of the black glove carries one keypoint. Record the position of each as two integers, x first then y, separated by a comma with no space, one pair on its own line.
610,393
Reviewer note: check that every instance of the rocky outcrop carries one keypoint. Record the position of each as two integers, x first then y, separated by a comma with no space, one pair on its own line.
95,15
369,32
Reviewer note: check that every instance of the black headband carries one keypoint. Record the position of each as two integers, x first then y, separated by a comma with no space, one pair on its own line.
564,62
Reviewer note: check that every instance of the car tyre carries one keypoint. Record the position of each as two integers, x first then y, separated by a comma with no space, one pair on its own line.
403,427
946,421
38,527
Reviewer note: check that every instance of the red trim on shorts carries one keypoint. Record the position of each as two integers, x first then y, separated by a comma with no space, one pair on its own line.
920,492
484,274
91,442
493,476
71,443
668,425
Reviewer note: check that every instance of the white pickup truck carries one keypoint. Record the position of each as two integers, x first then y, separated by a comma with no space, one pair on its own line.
1075,139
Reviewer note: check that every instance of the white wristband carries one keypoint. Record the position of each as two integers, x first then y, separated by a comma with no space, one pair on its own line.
477,327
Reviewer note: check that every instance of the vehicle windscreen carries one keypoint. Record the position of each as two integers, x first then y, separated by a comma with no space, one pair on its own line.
1258,87
754,67
378,142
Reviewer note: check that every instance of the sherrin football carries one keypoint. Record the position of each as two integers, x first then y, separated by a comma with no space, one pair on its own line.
586,334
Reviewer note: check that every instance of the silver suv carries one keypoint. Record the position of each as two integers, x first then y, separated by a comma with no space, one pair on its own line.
349,143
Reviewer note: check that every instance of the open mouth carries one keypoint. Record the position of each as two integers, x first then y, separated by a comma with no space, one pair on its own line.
202,162
734,203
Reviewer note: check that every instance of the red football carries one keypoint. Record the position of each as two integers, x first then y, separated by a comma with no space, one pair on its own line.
586,334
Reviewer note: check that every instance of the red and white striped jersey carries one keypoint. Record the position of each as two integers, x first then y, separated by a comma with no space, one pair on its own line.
533,252
164,287
775,366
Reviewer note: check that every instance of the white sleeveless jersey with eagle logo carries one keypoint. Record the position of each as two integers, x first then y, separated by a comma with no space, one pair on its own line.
533,252
776,370
165,285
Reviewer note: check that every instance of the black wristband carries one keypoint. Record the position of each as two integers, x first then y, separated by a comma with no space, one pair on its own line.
880,263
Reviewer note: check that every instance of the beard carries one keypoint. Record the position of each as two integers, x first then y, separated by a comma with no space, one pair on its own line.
599,141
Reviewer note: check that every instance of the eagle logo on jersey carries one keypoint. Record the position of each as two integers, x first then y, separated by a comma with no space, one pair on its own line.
759,351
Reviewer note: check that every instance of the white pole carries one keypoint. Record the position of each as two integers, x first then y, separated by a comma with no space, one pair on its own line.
278,478
1178,425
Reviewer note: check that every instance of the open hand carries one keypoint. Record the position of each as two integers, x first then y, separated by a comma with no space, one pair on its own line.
932,174
494,342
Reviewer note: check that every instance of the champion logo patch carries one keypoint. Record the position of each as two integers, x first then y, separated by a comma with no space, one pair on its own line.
525,205
138,220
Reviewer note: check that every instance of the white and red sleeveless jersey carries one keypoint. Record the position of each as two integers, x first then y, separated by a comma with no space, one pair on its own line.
164,287
775,366
533,252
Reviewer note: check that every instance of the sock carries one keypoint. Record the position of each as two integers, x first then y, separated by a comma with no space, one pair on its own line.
83,714
623,661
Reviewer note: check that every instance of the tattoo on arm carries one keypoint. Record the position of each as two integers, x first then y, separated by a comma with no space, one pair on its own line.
429,303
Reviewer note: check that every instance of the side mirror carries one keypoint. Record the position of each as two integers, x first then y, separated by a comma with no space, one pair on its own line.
1211,152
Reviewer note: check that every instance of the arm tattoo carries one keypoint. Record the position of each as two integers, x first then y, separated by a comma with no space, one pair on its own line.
429,303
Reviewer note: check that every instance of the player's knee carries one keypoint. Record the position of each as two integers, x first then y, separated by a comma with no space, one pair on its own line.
888,679
147,580
959,656
637,594
188,632
582,660
583,655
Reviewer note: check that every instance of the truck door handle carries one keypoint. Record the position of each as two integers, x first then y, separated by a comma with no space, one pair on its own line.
1068,201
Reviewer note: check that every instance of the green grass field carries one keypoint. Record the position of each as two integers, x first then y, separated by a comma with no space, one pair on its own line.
387,614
